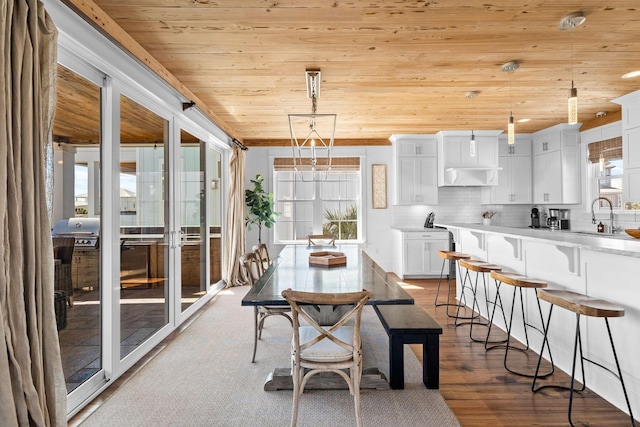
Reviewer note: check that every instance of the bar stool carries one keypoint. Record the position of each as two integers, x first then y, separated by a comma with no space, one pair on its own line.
481,268
518,282
582,305
452,257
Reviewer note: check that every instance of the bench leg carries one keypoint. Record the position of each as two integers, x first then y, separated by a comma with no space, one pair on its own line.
431,361
396,362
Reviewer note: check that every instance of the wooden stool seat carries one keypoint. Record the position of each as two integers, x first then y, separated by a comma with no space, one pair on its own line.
453,255
479,266
518,280
581,304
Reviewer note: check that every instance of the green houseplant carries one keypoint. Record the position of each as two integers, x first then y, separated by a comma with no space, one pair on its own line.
261,207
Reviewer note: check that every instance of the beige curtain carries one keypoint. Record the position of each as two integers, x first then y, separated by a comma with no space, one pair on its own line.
235,234
32,387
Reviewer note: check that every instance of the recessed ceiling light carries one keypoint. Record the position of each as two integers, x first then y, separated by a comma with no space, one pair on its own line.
631,74
572,21
524,120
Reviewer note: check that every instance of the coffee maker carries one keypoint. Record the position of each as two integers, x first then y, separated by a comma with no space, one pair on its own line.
535,218
559,219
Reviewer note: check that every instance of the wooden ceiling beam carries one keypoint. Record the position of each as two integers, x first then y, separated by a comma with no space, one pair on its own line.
338,142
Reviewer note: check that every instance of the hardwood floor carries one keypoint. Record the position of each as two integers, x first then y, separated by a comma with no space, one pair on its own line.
481,392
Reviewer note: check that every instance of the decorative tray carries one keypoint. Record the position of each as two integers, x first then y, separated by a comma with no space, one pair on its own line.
327,259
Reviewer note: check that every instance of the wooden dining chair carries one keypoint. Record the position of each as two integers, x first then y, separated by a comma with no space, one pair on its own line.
252,270
326,348
262,252
321,240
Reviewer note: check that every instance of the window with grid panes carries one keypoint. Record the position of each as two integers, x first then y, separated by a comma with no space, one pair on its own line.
324,206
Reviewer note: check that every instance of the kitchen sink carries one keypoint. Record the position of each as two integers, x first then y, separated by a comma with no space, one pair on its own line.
605,235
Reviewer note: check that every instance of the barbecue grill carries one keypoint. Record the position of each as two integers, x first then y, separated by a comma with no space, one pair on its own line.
85,231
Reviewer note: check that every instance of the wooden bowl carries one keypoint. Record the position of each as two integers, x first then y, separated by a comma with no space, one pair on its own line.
633,232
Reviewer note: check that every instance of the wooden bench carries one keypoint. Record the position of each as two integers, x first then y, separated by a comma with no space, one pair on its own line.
410,324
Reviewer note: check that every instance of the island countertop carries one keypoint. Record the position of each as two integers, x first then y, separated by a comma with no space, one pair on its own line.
619,244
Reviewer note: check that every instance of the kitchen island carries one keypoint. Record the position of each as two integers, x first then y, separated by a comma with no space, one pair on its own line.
601,266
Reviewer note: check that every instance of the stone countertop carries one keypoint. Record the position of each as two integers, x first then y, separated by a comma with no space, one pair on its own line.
619,244
419,229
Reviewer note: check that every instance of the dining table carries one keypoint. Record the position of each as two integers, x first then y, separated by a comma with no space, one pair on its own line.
293,268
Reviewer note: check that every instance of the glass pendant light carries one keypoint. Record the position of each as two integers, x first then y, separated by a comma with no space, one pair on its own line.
510,67
472,145
511,132
570,22
572,104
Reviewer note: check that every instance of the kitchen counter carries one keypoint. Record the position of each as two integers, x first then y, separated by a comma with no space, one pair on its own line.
418,229
618,244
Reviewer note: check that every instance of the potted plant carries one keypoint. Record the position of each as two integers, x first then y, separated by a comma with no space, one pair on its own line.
261,207
486,217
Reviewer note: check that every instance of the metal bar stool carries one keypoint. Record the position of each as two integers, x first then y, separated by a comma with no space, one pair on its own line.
518,282
582,304
481,268
452,257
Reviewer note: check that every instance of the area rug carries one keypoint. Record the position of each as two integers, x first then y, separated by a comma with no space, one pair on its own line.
205,378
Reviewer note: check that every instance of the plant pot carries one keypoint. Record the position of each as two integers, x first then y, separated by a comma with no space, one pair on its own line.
486,221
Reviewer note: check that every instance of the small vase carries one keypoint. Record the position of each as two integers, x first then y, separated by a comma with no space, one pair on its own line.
486,221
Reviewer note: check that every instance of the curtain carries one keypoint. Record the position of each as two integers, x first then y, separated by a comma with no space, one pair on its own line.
32,386
235,234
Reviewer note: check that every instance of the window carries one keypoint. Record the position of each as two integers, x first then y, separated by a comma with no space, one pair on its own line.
606,160
332,206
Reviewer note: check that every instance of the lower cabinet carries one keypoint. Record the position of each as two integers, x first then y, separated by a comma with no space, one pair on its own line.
418,253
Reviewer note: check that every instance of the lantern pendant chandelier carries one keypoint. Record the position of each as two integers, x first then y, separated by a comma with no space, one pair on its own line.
570,22
510,67
311,151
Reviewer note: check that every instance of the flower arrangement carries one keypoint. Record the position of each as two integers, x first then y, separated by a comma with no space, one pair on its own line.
488,214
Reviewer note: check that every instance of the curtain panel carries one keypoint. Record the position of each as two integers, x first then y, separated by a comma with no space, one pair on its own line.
32,385
235,233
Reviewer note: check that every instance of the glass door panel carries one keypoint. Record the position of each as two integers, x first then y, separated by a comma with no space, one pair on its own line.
144,233
214,163
193,230
76,172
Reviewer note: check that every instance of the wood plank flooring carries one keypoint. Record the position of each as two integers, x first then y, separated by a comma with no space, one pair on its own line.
482,393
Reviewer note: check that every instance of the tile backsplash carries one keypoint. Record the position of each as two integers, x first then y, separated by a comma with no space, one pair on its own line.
463,205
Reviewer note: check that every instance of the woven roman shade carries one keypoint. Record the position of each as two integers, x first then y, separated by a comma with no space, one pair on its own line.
281,164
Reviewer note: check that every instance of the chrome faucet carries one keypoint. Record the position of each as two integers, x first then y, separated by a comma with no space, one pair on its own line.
593,215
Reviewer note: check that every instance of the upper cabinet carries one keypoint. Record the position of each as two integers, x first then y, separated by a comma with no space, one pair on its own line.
464,162
556,168
416,169
514,178
630,146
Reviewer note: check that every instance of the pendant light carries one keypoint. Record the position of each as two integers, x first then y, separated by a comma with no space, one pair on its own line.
472,145
570,22
601,159
510,67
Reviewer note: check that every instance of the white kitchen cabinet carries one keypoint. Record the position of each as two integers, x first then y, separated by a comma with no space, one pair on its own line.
418,252
556,168
630,146
459,164
416,169
514,179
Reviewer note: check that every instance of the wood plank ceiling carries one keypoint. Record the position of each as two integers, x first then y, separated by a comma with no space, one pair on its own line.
388,67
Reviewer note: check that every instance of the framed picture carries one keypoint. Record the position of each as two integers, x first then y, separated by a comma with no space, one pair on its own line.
379,186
